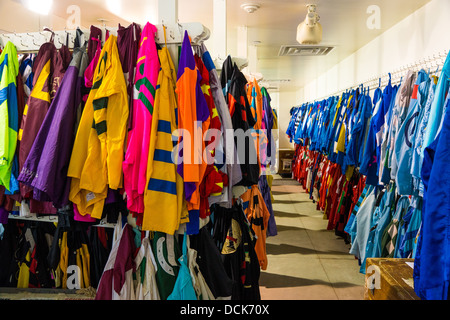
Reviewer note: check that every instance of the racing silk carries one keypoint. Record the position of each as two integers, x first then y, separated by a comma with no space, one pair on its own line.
243,122
193,120
26,71
226,154
97,155
9,68
404,145
436,115
49,73
136,157
432,260
46,166
164,184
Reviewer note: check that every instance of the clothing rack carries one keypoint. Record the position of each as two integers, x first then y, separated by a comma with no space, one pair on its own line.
54,218
32,41
433,64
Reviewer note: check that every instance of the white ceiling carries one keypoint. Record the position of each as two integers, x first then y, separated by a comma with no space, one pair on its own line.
274,25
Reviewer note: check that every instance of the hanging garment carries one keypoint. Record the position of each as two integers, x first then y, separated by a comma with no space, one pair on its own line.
213,180
227,159
358,132
77,275
432,274
377,215
89,73
372,153
266,192
34,270
116,282
45,169
243,121
363,224
129,40
193,121
105,286
408,229
385,150
22,96
437,114
167,253
70,257
24,87
49,73
94,41
136,157
346,203
183,288
198,281
387,209
9,68
258,216
209,260
26,72
269,124
97,155
100,240
254,97
9,252
164,184
421,127
146,288
404,144
399,113
389,238
215,123
236,241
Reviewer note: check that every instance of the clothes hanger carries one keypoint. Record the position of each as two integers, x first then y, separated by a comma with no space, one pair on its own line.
52,37
165,33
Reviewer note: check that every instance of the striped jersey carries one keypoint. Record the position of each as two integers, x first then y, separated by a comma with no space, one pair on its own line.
164,184
97,155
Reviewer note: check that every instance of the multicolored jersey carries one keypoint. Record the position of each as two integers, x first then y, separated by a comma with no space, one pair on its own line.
136,157
9,68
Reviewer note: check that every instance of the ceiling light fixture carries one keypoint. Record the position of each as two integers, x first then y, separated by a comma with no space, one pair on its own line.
250,7
310,30
39,6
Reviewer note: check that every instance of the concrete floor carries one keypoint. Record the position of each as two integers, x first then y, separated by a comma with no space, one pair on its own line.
306,261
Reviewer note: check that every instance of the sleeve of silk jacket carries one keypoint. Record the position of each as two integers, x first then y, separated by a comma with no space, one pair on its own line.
117,122
116,119
111,117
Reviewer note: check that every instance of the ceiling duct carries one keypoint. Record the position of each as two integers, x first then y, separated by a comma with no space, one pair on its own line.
304,50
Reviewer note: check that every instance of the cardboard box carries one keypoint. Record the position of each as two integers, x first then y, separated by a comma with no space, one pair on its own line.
389,279
286,156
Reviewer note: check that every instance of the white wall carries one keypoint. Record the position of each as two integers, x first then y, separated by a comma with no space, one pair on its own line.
422,34
283,101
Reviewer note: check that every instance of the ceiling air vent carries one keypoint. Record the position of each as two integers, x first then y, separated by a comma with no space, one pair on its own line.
304,50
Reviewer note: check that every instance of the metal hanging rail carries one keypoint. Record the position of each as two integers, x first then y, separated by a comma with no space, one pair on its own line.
32,41
54,219
433,64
